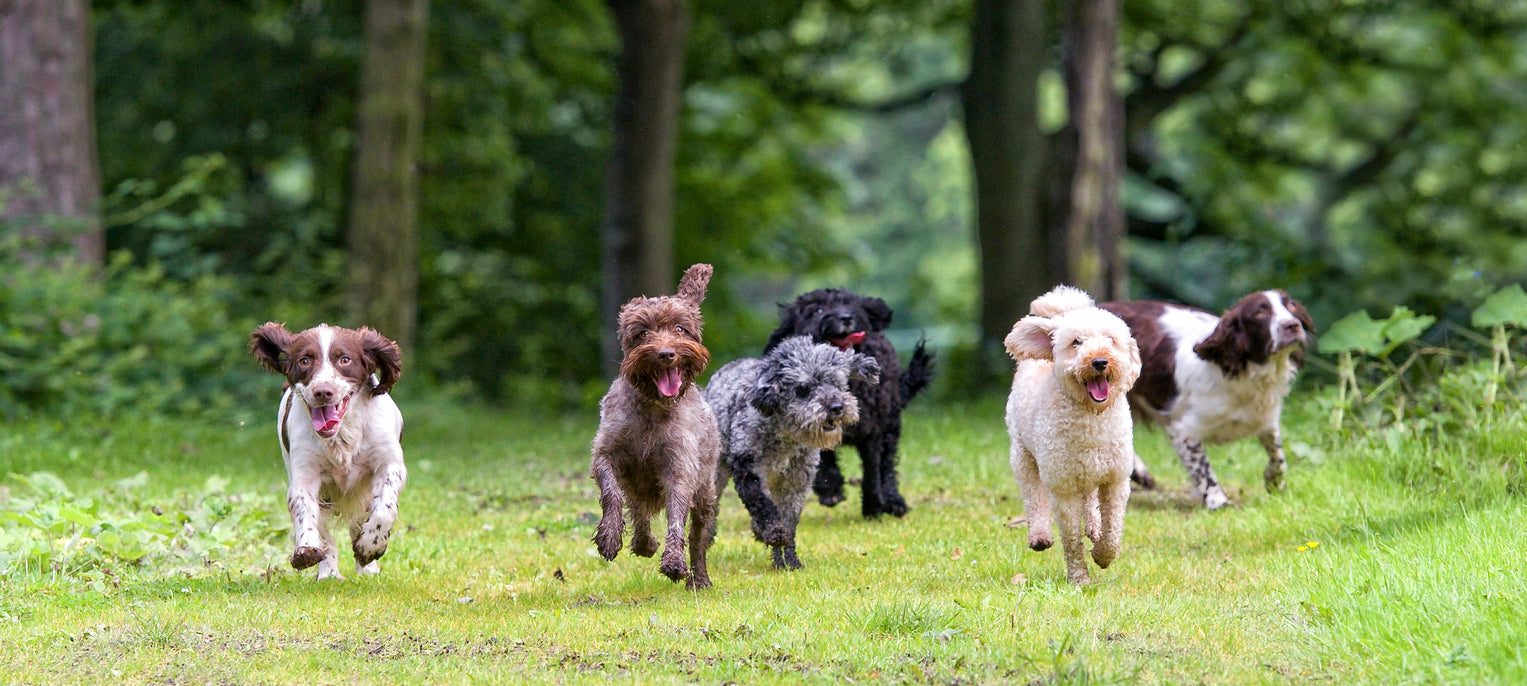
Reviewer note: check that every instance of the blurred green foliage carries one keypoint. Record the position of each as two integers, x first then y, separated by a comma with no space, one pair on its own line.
1361,155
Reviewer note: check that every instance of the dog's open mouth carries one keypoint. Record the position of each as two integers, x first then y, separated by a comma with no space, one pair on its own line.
669,381
849,341
326,418
1098,388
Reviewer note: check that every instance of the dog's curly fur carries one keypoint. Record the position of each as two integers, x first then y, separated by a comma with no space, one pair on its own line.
851,321
1072,440
777,413
657,443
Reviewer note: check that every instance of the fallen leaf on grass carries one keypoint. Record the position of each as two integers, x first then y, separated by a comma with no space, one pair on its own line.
1019,579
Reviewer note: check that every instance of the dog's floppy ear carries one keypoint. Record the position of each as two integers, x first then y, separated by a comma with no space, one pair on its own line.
864,368
1227,347
383,357
268,344
692,285
1030,339
768,397
878,312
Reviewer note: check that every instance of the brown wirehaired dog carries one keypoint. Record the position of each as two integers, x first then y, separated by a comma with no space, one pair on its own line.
658,444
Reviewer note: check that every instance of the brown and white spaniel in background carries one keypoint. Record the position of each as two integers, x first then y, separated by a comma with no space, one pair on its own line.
340,438
1209,379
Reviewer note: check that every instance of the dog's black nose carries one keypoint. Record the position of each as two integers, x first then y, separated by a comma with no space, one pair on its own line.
1099,363
666,354
847,319
835,409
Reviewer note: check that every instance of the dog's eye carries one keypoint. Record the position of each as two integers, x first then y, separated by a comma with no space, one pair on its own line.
304,362
802,392
344,359
1076,343
679,329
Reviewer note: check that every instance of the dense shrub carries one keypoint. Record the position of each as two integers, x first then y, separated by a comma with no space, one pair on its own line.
75,342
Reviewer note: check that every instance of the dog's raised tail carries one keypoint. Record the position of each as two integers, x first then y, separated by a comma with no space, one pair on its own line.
919,372
1059,300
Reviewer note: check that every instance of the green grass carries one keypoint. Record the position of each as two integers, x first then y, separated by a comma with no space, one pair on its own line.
1417,576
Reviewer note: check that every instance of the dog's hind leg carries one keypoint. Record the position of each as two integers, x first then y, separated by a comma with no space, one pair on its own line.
678,507
702,530
1196,460
1070,515
1276,464
891,501
1142,474
1036,499
1094,528
1112,500
828,483
328,567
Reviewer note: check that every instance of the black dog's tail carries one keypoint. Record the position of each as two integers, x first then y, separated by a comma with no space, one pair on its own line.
919,372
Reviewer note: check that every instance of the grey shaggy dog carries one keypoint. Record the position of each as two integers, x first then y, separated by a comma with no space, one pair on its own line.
777,413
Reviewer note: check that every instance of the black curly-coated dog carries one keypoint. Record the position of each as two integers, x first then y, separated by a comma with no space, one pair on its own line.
851,321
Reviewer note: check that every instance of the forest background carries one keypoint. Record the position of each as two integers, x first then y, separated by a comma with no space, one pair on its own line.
485,181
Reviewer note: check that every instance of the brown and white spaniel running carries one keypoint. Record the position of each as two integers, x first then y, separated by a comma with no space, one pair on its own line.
340,438
1209,379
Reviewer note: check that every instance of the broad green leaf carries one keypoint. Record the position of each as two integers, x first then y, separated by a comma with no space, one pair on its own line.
1356,331
1403,325
1505,306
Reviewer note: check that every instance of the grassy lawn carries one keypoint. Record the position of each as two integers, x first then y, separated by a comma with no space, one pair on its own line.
1414,576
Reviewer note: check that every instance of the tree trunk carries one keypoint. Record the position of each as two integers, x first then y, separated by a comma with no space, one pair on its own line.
384,212
638,225
1000,96
1094,233
50,184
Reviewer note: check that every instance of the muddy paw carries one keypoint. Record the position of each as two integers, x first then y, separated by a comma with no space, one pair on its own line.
304,557
1038,543
609,546
674,569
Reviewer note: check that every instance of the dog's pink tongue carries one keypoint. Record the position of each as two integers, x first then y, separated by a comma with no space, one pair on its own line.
1098,389
849,341
325,418
668,382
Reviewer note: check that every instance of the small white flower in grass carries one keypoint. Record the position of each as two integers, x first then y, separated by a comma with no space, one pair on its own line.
464,600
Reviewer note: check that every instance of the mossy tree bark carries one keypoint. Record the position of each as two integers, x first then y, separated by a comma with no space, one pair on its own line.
637,234
50,184
384,212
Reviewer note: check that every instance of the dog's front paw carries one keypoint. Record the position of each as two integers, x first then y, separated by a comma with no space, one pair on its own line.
895,506
785,559
1215,498
368,548
1040,541
1274,478
304,557
698,582
674,568
608,544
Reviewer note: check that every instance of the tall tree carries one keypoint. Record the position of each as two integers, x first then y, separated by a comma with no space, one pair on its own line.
49,175
1000,95
638,223
384,213
1094,222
